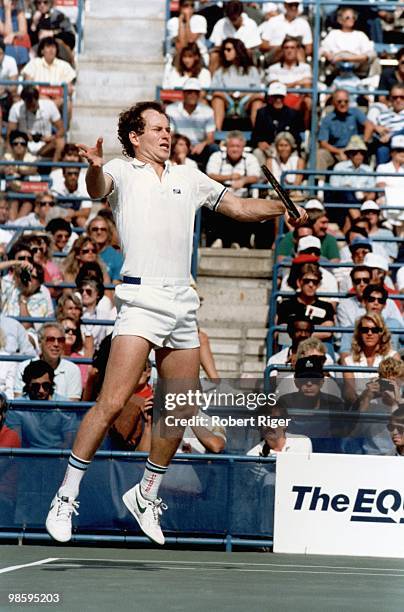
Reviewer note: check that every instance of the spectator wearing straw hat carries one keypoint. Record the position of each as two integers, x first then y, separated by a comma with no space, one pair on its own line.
372,212
360,187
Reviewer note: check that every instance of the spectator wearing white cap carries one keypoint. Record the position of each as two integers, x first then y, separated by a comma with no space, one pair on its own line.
372,212
393,185
314,204
274,118
379,269
194,120
274,31
400,280
236,71
311,245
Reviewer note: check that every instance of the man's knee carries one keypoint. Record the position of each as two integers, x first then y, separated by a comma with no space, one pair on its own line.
109,408
324,159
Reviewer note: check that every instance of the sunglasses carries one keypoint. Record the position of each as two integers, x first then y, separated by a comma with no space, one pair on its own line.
369,330
379,300
341,101
72,173
313,281
398,428
86,290
86,251
22,143
25,258
70,330
361,279
52,339
397,97
98,229
47,203
36,250
46,386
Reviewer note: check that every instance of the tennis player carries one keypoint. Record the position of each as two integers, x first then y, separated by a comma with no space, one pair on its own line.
154,206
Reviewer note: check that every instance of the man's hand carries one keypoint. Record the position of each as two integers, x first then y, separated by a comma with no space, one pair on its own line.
94,155
300,221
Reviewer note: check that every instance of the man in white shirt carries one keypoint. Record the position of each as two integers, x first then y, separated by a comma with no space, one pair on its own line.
188,28
194,120
71,189
8,72
274,31
235,24
154,206
235,169
37,117
67,374
278,440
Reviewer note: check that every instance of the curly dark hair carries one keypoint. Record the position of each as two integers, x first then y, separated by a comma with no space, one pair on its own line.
131,120
197,65
242,60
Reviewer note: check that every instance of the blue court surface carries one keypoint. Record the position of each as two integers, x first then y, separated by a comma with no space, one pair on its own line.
151,580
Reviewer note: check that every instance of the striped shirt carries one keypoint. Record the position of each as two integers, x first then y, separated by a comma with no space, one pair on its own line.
195,125
390,119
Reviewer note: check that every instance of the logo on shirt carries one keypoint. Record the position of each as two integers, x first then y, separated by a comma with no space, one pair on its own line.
177,191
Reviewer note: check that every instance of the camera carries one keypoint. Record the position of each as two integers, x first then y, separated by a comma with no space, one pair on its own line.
386,385
36,137
25,276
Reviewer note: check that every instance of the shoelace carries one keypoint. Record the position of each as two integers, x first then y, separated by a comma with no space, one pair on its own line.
66,509
158,507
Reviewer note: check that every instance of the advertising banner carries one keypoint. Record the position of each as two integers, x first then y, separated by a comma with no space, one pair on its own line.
339,505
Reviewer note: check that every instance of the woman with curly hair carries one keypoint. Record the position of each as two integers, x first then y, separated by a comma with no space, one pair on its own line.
371,344
236,70
84,250
70,306
186,64
73,346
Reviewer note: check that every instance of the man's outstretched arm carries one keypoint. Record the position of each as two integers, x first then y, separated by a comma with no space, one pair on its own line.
98,184
256,209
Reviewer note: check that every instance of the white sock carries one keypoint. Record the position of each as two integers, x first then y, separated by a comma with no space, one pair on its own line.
76,468
152,477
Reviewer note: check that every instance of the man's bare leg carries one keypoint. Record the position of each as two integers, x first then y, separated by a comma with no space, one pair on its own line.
179,370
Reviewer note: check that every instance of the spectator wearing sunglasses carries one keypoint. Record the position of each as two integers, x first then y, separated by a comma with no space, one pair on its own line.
375,299
92,291
371,343
101,231
85,250
306,304
48,427
74,346
44,203
395,427
22,290
19,152
71,191
67,374
382,395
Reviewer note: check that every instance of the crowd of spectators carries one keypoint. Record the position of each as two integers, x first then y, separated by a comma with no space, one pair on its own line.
234,66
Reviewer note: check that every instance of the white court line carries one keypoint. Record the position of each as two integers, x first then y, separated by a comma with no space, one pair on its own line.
240,569
12,568
241,563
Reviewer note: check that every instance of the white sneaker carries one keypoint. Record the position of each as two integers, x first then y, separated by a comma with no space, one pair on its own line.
147,513
59,519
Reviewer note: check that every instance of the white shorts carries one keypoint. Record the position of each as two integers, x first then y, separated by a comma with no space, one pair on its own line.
166,316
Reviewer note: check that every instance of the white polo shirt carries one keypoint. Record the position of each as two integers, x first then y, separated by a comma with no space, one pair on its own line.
281,73
294,444
276,28
195,125
355,42
36,123
197,24
67,379
56,73
8,70
155,218
247,165
248,32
